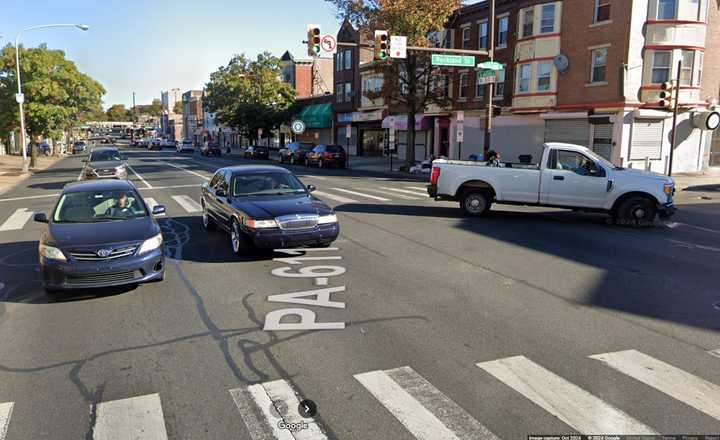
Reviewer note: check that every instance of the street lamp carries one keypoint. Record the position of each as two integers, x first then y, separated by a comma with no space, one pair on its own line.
20,98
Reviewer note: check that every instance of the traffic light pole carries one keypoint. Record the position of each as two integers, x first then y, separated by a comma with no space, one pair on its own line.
675,115
424,49
491,86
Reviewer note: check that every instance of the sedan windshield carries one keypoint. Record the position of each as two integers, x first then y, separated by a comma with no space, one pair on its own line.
98,206
266,184
105,156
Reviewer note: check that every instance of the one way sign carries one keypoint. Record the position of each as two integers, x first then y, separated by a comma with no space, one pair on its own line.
398,47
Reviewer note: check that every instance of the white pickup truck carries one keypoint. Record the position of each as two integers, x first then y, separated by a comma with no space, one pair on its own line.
568,176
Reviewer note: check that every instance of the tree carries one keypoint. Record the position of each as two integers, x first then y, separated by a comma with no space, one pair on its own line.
410,84
119,113
57,95
248,95
178,108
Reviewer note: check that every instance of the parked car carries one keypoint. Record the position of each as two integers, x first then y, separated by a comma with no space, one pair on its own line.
79,147
106,140
100,234
326,156
155,144
168,143
105,163
185,146
211,149
295,152
422,168
569,176
266,207
257,152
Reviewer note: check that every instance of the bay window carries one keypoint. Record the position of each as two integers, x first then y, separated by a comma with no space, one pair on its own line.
524,75
547,24
666,9
688,65
528,18
544,74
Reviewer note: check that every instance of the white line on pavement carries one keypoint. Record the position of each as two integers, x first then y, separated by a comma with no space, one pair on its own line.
405,191
281,391
355,193
14,199
133,418
186,170
420,188
694,246
715,353
17,220
388,193
673,225
340,199
685,387
423,409
312,177
576,407
188,203
147,185
79,178
5,413
248,403
172,187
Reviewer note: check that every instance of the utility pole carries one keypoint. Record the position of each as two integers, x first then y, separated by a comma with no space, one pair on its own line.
490,86
675,115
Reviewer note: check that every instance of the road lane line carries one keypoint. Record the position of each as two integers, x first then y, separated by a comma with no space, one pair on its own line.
195,185
187,203
715,353
44,196
340,199
423,409
254,406
80,176
186,170
147,185
419,188
5,413
573,405
281,391
311,177
699,228
388,193
355,193
685,387
17,220
138,418
405,191
693,245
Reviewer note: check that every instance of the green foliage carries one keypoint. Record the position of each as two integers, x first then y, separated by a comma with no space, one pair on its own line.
247,95
119,113
154,109
178,108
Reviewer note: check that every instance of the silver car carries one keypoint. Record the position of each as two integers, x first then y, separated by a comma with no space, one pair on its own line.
105,163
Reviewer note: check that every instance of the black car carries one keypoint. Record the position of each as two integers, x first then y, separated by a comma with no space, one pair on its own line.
326,156
100,234
105,163
211,149
266,207
257,152
295,152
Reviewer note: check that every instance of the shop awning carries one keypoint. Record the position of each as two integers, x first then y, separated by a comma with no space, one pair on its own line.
317,116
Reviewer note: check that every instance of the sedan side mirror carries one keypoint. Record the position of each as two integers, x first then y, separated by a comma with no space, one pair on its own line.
41,217
158,210
220,192
311,188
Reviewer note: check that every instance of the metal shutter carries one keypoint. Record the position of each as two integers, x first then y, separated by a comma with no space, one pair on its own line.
647,139
602,139
570,131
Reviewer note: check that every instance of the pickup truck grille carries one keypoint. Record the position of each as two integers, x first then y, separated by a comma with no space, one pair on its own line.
297,221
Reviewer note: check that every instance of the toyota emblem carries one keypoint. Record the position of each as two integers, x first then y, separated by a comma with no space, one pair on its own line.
104,253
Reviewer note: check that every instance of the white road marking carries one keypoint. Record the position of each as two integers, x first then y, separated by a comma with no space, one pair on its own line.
405,191
137,418
304,176
17,220
5,413
44,196
79,178
694,246
188,203
195,185
186,170
340,199
715,353
673,225
423,409
355,193
419,188
388,193
685,387
574,406
147,185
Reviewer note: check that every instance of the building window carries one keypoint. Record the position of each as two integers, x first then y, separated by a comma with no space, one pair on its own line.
500,84
599,65
466,37
483,40
447,39
666,9
547,24
348,60
661,66
695,5
463,86
348,92
447,86
339,93
528,18
338,61
524,74
544,76
686,73
479,87
699,66
502,31
602,11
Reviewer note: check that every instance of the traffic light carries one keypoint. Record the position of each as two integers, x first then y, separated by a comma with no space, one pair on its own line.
381,45
666,95
313,40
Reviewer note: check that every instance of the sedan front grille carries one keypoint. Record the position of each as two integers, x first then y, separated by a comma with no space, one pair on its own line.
106,172
297,221
114,254
102,278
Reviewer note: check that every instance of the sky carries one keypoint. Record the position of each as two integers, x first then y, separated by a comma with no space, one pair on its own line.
147,46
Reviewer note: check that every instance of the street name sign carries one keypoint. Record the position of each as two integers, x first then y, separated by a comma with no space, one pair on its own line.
486,77
453,60
491,65
398,46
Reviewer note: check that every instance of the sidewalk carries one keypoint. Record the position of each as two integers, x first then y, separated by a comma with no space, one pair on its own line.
11,169
710,178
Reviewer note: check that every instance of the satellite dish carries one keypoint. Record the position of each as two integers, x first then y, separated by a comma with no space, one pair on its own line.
561,63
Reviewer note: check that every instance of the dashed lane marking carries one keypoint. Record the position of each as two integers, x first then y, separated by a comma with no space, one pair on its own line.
147,185
186,170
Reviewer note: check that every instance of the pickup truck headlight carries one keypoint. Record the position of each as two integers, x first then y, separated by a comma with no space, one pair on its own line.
51,253
327,219
151,244
259,224
669,189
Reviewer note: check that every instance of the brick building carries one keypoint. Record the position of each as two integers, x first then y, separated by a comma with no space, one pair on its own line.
309,77
193,115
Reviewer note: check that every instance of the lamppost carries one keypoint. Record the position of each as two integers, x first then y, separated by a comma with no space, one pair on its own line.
20,98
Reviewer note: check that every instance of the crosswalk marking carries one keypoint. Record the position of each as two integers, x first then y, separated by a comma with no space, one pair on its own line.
5,413
388,193
715,353
337,198
263,405
187,203
574,406
17,220
137,418
355,193
685,387
423,409
418,188
404,191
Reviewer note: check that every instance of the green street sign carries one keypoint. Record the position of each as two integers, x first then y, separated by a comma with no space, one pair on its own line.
490,65
486,77
453,60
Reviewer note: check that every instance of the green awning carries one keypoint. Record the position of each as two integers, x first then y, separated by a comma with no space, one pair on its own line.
317,116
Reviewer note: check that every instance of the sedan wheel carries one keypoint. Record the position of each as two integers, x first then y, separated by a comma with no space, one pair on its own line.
206,220
235,237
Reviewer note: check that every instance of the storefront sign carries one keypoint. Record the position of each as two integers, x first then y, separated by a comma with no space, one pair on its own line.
344,117
375,115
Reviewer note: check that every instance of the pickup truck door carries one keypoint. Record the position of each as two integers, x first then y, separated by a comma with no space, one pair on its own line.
574,180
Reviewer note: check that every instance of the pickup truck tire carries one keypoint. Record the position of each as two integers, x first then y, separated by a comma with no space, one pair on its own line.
637,210
475,203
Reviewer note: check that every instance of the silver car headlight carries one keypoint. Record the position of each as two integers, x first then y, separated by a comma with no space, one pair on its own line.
151,244
327,219
51,253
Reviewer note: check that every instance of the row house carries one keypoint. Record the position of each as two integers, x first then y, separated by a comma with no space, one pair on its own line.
193,115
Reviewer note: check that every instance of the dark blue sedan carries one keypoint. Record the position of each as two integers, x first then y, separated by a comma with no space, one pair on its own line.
266,207
100,234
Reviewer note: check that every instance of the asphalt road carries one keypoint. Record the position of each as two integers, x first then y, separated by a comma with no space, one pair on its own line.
528,321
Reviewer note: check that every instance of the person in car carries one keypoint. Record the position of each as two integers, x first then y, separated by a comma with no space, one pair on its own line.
121,208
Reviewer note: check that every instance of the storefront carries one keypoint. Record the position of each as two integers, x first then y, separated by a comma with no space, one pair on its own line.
318,120
424,135
367,137
344,125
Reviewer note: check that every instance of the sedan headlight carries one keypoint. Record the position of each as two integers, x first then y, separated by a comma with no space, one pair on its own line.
121,169
51,253
259,224
327,219
151,244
